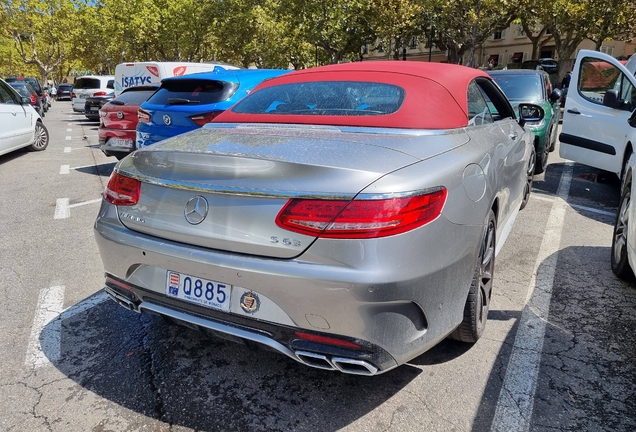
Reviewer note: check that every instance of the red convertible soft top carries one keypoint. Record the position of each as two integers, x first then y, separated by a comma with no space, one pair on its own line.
435,95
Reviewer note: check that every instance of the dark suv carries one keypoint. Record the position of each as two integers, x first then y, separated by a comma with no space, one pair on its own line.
36,85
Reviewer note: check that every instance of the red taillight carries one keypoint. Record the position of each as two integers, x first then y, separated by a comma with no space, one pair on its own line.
143,116
327,340
34,100
360,218
201,119
122,190
73,95
99,93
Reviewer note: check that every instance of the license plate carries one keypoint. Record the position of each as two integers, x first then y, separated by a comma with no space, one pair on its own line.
204,292
120,142
81,96
93,108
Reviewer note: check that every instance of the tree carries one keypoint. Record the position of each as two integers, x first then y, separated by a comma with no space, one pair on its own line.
40,31
394,22
339,27
463,25
610,19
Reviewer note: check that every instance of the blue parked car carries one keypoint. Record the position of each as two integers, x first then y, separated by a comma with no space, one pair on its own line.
187,102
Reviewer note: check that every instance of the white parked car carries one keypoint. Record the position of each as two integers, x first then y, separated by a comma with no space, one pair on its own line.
601,98
89,86
20,125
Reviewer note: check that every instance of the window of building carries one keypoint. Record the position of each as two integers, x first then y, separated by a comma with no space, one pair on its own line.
499,35
516,57
520,32
609,50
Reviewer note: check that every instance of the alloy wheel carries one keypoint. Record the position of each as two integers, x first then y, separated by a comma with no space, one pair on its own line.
620,231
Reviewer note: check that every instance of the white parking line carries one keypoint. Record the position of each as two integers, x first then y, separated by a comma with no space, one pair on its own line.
63,208
67,149
85,203
50,306
69,130
62,211
516,399
46,333
65,169
576,206
93,165
68,138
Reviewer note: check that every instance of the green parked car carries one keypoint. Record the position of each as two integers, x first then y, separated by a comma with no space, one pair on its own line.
533,86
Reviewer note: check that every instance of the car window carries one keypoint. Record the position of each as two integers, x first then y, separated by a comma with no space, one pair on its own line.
498,103
87,83
527,88
596,76
111,84
192,92
6,95
478,110
22,89
135,97
328,98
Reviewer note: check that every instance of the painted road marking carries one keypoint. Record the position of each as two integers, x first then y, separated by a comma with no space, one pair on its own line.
575,206
516,399
92,165
50,306
69,130
46,333
65,169
68,138
63,208
67,149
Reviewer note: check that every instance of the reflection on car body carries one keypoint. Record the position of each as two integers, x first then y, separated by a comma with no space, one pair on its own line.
347,216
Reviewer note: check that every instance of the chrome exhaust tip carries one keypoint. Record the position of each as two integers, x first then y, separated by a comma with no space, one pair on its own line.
314,360
123,301
355,367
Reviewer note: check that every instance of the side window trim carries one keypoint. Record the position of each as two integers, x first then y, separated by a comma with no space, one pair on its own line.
497,98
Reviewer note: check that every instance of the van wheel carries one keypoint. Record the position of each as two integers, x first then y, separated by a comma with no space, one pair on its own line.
41,137
478,301
619,260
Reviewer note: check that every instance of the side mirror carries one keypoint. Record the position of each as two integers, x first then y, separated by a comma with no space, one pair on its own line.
530,113
632,119
611,99
25,100
556,95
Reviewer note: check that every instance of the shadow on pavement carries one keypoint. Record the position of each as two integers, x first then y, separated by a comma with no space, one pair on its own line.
103,170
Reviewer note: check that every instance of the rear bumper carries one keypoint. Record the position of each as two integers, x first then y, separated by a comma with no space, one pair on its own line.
394,308
110,147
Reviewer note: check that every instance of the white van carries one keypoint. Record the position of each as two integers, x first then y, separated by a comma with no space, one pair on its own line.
148,73
91,85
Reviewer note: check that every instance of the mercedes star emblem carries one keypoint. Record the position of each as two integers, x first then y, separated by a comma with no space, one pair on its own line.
196,209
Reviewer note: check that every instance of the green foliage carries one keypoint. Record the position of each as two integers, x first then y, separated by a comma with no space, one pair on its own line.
53,38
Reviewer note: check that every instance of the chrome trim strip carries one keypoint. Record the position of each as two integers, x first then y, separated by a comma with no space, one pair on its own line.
213,325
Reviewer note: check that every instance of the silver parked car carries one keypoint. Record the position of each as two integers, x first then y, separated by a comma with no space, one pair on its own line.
347,216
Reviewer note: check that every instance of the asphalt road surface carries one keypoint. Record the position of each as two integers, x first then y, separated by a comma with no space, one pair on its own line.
559,351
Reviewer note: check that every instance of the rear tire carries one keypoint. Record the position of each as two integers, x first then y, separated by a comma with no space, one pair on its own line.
542,158
619,259
527,189
41,137
478,301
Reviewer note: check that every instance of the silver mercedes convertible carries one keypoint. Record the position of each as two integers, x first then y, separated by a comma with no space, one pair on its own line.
347,216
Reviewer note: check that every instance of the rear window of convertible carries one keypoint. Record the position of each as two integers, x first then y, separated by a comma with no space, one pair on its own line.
325,98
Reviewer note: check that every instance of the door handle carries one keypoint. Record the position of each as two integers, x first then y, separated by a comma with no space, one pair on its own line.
513,135
574,111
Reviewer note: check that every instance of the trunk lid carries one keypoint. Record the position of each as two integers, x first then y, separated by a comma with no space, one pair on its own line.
247,173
